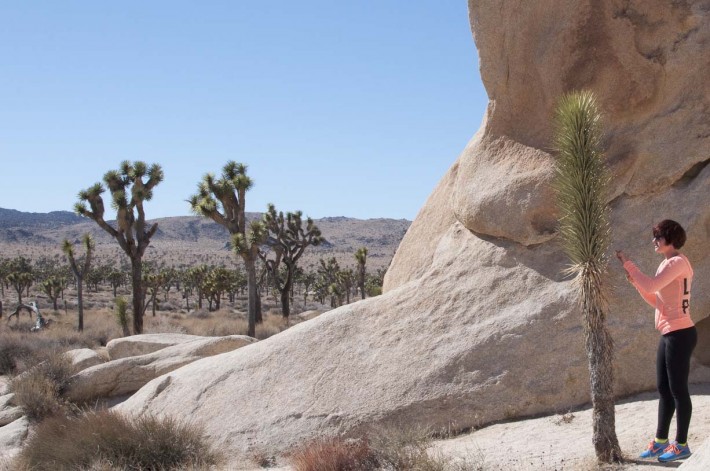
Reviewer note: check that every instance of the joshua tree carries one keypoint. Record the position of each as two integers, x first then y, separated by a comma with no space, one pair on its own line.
330,281
361,257
288,240
582,194
224,201
53,287
346,278
128,193
116,278
152,282
79,274
21,281
4,271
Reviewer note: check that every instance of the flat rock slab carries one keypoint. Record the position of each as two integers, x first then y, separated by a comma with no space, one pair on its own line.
6,401
83,358
700,459
12,435
145,343
10,415
127,375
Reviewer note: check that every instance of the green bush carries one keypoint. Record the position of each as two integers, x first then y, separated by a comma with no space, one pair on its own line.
108,440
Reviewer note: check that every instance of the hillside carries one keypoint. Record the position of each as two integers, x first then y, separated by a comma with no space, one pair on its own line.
191,239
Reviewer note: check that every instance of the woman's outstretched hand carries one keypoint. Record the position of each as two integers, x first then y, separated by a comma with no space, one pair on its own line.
621,256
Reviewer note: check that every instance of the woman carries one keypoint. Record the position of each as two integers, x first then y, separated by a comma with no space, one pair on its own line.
669,292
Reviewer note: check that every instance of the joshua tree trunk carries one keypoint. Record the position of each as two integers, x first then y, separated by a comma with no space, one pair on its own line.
137,285
80,300
599,354
286,297
253,295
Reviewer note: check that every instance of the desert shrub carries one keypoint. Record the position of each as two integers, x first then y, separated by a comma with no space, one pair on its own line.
107,440
263,459
38,391
405,448
200,314
333,454
12,352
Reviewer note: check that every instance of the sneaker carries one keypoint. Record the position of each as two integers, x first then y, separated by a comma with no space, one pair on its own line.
674,452
654,449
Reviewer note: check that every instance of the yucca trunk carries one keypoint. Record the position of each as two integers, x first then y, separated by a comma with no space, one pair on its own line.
582,190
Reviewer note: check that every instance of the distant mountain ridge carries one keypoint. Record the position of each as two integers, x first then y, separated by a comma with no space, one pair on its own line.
36,234
13,218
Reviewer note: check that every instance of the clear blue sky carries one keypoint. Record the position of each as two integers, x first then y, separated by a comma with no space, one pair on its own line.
339,108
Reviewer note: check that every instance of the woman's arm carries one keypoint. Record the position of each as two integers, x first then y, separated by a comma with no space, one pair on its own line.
651,284
650,298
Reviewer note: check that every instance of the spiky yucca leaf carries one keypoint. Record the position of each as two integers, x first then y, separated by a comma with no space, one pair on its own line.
582,185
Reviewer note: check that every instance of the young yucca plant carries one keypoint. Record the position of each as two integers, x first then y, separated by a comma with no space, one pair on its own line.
122,316
582,188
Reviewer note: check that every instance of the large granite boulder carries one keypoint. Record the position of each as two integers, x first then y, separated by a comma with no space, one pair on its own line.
476,323
127,375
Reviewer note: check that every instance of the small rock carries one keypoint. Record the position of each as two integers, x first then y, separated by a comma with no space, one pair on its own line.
83,358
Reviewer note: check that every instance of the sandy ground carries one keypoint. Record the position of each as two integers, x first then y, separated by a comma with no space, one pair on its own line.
564,441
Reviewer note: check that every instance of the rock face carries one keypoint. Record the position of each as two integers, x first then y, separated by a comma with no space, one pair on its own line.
476,323
127,375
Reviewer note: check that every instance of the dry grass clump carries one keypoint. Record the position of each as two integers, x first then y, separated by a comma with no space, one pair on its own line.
333,454
12,352
107,440
391,449
214,324
39,390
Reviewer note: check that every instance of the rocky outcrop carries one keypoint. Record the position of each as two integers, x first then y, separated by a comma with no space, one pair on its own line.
12,436
9,412
135,345
83,358
477,324
127,375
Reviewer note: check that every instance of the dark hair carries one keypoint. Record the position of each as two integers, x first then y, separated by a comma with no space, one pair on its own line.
671,231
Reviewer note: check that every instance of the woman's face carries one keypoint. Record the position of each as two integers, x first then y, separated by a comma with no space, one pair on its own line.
660,246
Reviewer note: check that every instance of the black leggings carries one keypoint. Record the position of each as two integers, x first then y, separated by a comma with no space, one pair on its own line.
672,369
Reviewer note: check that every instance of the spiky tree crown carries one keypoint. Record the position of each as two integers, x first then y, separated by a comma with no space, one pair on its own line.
582,183
221,196
118,183
361,255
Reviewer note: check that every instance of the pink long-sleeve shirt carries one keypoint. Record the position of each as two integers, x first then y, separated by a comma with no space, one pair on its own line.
668,292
